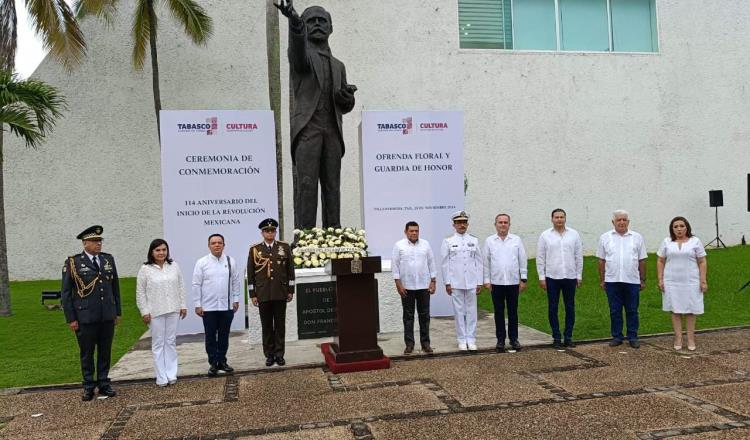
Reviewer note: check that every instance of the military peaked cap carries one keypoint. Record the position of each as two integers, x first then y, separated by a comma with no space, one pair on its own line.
91,233
460,216
268,223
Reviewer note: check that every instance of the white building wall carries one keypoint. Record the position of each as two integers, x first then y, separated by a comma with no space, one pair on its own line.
588,132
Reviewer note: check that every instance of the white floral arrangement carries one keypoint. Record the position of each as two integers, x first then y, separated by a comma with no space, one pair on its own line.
315,247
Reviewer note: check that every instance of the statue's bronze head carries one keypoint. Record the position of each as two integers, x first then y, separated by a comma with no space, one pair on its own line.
318,23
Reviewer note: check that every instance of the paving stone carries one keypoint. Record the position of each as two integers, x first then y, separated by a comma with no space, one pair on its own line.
277,401
730,434
708,342
83,431
644,368
734,397
337,433
610,418
478,379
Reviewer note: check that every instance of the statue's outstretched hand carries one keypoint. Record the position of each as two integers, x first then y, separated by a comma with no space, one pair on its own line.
287,10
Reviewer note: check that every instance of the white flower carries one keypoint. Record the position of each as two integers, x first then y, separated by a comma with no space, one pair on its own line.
332,255
297,232
302,243
306,254
338,230
337,242
348,229
298,261
322,255
361,232
296,251
329,230
308,263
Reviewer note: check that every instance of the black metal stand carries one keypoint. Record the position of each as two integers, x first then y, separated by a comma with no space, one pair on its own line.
717,241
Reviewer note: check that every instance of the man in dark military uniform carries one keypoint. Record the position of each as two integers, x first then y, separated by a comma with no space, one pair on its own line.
270,283
91,301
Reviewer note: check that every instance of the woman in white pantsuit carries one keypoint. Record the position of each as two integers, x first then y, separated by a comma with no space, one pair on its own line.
681,269
160,295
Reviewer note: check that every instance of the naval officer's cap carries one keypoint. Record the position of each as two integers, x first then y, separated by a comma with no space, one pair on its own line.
268,223
459,216
91,233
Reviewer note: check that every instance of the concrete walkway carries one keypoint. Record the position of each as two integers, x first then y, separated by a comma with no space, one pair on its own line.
592,391
243,356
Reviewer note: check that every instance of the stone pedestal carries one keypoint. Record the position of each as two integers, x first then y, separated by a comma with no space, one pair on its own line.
389,303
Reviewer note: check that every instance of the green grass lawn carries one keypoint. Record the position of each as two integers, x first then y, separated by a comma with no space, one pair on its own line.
728,270
38,347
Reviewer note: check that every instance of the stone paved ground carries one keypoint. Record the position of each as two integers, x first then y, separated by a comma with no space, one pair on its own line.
591,392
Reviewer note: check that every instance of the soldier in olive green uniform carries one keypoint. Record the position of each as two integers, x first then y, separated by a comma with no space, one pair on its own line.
270,284
91,301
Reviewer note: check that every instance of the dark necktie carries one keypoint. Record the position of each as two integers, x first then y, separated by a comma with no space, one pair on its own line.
95,260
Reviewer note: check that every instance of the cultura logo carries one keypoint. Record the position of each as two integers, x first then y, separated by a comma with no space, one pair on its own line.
209,127
241,126
433,126
405,126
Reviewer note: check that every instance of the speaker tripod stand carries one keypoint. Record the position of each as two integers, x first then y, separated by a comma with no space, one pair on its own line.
717,241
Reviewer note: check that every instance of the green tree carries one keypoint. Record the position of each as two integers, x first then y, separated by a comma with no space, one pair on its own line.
196,24
29,108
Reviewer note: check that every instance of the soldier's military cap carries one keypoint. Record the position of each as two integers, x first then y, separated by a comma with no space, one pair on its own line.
460,216
91,233
268,223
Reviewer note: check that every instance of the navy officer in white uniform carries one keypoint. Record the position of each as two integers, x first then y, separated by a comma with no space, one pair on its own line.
461,263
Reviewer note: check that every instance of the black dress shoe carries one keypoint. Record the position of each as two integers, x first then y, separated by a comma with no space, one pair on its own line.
516,345
213,370
280,361
615,342
569,343
223,366
107,391
500,348
557,343
634,343
88,394
270,360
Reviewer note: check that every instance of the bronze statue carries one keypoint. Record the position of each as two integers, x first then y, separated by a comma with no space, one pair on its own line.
320,96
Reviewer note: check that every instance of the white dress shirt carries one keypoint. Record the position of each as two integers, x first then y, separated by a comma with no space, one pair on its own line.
461,261
559,256
621,254
505,262
413,264
211,289
159,290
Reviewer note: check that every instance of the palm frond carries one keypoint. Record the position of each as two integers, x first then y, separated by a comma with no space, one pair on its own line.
30,107
196,23
101,9
55,23
20,122
8,34
141,32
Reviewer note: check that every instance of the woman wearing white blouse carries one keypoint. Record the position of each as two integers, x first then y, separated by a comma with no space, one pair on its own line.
681,269
160,295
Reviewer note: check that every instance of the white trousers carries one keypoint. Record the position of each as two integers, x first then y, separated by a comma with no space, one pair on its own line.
164,346
465,315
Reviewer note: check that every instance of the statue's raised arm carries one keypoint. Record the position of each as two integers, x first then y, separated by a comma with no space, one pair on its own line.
287,10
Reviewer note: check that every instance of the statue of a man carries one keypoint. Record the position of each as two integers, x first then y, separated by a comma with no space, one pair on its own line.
320,96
